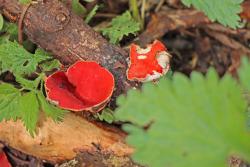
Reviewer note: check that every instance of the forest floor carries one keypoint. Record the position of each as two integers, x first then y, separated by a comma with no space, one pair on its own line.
194,43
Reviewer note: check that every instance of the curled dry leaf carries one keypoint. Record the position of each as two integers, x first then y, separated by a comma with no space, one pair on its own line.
148,64
85,86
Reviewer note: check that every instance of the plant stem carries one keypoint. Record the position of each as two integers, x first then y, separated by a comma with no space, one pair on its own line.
143,13
133,5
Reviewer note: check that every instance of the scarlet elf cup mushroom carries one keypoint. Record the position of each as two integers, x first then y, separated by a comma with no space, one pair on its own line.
148,64
4,162
85,86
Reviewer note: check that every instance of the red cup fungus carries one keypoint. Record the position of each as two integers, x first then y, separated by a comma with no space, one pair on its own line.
4,162
85,86
148,64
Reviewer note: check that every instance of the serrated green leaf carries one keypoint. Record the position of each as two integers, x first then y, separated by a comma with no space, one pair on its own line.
248,118
224,11
25,1
201,120
10,32
12,29
50,65
121,26
16,59
29,108
244,73
9,102
1,22
28,84
78,8
42,53
55,113
106,115
4,38
91,14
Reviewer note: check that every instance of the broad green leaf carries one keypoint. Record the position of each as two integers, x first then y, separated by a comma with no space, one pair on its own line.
91,14
224,11
55,113
9,102
16,59
29,108
198,121
121,26
78,8
244,78
248,119
1,22
244,73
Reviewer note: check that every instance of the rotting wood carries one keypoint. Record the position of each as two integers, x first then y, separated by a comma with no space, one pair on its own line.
57,142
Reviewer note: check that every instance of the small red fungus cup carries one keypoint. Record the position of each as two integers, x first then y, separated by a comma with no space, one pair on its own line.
148,64
85,86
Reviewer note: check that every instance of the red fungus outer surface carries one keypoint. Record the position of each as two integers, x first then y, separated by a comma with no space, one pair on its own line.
85,86
4,162
148,64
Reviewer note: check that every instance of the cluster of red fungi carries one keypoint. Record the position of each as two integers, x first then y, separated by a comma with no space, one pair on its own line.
86,85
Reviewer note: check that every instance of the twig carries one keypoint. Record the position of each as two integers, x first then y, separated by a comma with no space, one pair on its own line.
227,41
143,6
243,33
20,23
106,15
133,5
158,7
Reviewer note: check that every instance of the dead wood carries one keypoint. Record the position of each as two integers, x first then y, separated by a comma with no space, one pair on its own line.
56,142
240,33
229,42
